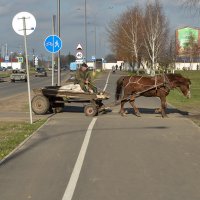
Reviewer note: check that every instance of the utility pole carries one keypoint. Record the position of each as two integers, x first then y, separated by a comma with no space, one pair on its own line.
2,51
85,31
6,45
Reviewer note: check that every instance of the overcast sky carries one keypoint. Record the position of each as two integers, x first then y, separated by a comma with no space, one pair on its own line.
72,22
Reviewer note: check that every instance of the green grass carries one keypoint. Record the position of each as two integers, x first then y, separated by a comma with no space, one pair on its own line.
13,133
177,99
4,74
192,105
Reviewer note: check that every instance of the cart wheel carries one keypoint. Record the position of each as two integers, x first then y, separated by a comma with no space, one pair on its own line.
58,109
90,110
50,109
40,104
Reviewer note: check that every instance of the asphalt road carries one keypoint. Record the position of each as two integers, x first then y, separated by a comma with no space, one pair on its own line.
8,89
108,157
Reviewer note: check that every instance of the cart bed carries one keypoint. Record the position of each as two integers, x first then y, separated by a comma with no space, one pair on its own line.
54,98
55,91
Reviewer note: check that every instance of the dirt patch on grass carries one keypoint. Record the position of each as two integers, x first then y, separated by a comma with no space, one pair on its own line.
17,103
16,108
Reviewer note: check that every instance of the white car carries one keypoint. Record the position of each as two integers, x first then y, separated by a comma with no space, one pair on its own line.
18,75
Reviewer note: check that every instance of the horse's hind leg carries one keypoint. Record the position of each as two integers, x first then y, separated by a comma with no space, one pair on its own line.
163,106
123,101
136,110
122,110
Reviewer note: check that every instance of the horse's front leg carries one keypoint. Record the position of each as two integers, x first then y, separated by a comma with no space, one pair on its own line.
163,106
132,102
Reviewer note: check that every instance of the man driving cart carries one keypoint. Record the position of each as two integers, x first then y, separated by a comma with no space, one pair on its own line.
83,78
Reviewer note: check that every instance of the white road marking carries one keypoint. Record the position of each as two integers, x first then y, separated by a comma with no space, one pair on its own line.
107,81
79,162
77,168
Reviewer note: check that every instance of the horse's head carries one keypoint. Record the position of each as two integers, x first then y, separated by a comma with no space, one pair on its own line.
177,80
185,87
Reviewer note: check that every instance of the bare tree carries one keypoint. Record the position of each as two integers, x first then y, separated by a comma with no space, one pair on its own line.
137,35
155,31
168,56
131,29
125,35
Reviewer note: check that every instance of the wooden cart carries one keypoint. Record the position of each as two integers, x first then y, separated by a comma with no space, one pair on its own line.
53,99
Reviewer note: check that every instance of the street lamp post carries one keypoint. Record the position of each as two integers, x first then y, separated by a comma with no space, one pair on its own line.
11,57
95,36
52,58
86,31
58,26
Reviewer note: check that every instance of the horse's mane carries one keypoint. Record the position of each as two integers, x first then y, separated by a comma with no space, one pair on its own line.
178,77
174,75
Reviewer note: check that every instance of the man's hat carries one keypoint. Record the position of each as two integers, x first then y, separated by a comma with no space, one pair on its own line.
84,65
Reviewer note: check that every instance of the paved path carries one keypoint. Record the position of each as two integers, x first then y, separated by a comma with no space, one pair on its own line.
108,157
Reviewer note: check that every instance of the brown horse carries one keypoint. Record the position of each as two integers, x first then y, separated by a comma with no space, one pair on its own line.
157,86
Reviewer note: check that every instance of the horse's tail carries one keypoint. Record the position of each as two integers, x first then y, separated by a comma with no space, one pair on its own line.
119,88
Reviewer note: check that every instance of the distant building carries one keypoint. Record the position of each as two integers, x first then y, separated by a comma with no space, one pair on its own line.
14,65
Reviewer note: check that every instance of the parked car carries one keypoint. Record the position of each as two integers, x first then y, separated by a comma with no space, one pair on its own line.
9,68
40,72
55,68
18,75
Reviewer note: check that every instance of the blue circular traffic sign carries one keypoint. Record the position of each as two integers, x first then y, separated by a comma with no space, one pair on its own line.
53,43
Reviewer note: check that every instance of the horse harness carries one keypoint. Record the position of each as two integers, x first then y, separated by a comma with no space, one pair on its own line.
165,83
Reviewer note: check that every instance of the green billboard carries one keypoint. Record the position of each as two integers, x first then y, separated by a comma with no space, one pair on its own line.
184,37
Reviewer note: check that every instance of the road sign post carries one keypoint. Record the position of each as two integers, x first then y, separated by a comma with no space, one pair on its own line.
94,67
36,61
24,23
53,44
79,54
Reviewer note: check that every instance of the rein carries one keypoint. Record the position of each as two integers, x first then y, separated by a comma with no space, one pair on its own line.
167,82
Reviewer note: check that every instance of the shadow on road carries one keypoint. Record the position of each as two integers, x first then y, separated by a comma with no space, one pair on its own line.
152,111
74,109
